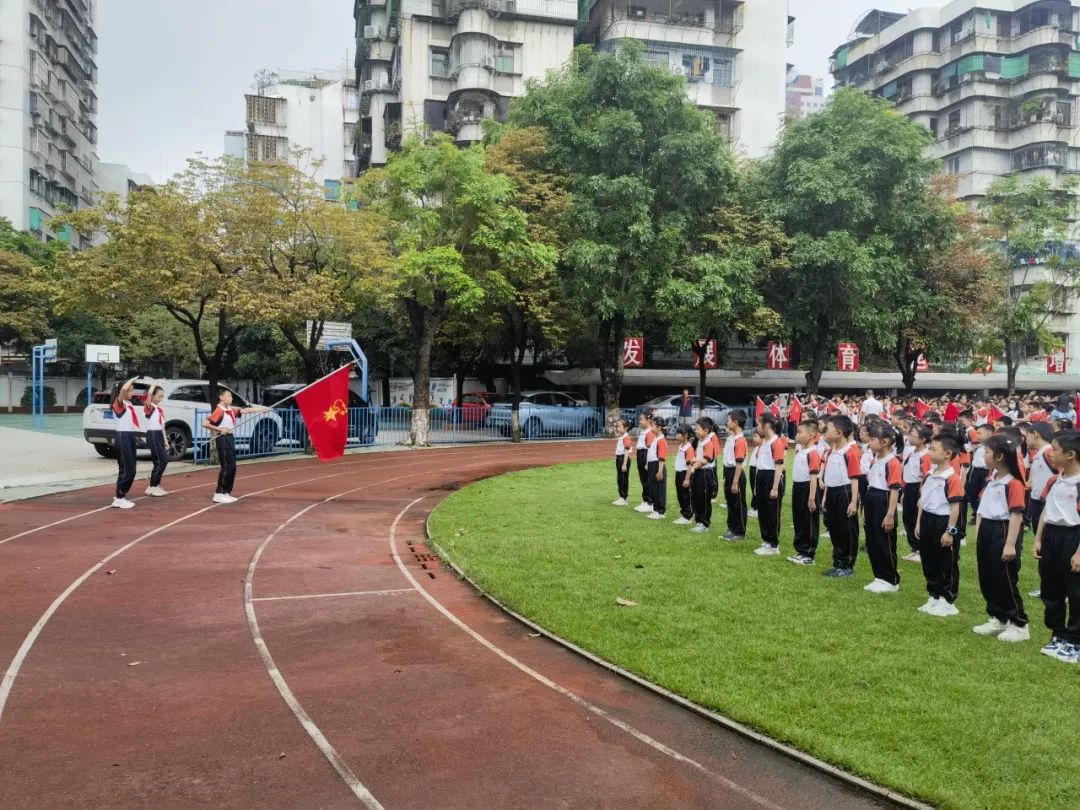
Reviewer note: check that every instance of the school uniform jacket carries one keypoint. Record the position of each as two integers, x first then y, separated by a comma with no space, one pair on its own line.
127,417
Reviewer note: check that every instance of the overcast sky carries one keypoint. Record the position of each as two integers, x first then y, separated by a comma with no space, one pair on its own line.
172,75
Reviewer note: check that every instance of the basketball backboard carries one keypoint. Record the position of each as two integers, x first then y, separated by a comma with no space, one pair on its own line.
96,353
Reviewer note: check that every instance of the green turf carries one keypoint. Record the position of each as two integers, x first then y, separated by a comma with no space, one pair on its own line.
56,424
916,703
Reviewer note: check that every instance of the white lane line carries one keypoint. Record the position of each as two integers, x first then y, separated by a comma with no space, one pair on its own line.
572,696
8,682
392,592
143,498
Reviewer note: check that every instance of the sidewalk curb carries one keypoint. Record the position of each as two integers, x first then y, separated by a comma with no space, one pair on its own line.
858,782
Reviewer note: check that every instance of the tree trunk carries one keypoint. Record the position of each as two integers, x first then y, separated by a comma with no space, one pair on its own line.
1012,365
817,361
307,352
612,337
906,361
515,402
700,349
420,430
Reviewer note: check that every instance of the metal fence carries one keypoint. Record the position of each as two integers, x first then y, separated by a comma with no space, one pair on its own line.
283,430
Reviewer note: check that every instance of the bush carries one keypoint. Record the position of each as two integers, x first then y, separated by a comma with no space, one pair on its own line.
28,397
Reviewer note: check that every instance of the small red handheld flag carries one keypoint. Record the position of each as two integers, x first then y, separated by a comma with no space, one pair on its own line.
325,408
920,409
994,414
759,409
951,412
795,411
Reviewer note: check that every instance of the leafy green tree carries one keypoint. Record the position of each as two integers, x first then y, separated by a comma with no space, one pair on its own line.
24,288
645,170
850,184
453,230
1025,220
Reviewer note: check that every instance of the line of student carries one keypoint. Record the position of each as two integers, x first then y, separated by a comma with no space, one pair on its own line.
130,420
923,475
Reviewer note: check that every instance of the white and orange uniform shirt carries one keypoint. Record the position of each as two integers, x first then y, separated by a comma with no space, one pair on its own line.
1002,497
225,418
769,455
806,465
917,466
1060,495
734,451
940,491
885,473
842,466
657,450
127,417
1040,472
154,417
644,438
623,445
684,457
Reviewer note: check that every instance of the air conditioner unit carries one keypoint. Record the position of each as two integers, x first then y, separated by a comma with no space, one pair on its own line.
369,85
489,62
372,32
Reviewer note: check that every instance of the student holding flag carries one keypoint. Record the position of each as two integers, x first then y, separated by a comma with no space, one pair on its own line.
222,422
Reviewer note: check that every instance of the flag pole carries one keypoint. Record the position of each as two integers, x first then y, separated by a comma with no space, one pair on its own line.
294,394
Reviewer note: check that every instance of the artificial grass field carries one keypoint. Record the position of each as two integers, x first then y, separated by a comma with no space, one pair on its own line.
917,703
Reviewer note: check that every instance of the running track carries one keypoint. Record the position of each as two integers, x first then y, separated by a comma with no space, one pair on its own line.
302,648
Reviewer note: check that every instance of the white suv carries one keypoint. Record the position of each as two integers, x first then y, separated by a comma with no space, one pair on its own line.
255,434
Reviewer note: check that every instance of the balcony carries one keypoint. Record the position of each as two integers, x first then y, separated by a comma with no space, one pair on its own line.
891,71
1044,35
642,24
715,96
380,84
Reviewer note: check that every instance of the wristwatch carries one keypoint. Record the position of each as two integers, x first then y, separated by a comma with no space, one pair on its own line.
952,530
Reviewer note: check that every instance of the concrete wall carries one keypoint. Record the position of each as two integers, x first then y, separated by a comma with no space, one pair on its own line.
14,123
761,71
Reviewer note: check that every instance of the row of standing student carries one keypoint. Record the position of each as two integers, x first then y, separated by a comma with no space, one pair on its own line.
149,419
926,479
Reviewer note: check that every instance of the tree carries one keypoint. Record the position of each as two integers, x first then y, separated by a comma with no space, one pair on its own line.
535,314
24,289
645,168
716,293
453,230
1025,221
850,186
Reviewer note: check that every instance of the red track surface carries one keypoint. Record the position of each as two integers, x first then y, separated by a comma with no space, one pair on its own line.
175,675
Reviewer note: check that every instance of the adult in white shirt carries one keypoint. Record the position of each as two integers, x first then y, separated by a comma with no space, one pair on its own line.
871,406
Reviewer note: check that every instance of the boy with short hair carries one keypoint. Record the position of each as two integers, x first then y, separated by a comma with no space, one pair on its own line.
843,470
937,528
770,484
805,493
734,479
684,457
222,422
1040,470
644,439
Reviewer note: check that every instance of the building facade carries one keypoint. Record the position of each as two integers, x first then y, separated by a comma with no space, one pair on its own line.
733,54
996,82
316,110
446,65
48,111
119,179
805,96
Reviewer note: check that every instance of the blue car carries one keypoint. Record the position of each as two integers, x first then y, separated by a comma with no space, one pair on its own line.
544,414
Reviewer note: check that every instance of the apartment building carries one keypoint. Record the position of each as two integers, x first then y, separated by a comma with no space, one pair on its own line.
995,82
805,96
48,109
448,64
733,54
317,110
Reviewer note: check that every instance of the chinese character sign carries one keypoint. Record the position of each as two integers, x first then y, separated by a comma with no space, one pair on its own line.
1055,361
779,356
847,357
634,352
710,353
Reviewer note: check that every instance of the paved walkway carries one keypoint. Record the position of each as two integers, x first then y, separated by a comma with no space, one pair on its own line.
304,648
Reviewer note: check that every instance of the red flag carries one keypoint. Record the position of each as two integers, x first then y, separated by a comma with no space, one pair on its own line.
324,405
951,412
774,409
759,408
920,409
795,411
994,414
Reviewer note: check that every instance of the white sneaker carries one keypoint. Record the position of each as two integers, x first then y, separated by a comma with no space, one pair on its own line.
620,502
752,513
156,492
122,503
655,516
700,529
913,557
232,498
994,627
1035,594
680,522
881,586
721,505
946,609
931,603
643,507
1014,633
767,551
221,497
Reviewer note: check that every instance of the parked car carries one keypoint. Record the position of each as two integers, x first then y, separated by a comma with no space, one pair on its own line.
667,408
544,413
472,410
256,433
363,420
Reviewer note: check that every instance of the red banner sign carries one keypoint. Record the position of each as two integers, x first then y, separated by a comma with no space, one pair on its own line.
710,353
779,356
847,357
634,352
1055,362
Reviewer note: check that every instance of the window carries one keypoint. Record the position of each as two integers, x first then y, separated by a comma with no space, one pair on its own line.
190,393
954,123
37,219
935,44
952,165
933,127
695,66
331,189
1041,155
724,72
505,58
440,63
1004,25
435,115
657,59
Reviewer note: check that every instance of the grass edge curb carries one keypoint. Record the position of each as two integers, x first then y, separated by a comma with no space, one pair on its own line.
715,717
